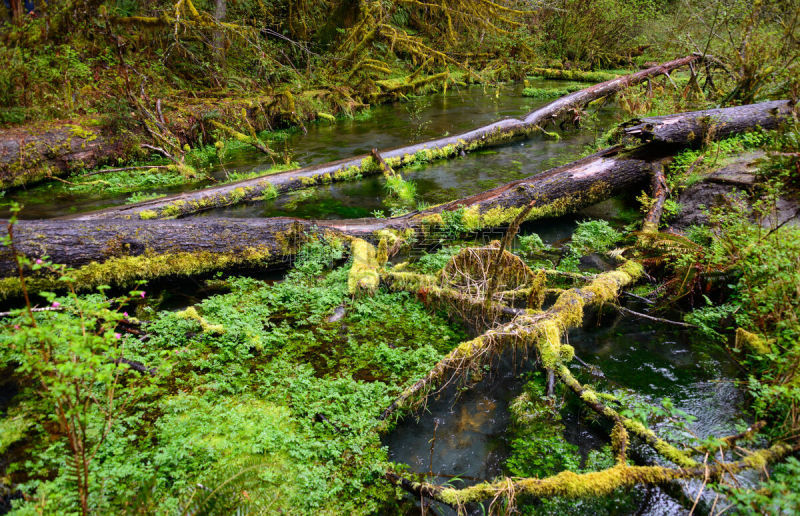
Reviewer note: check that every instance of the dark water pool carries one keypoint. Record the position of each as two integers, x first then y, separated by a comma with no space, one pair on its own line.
655,360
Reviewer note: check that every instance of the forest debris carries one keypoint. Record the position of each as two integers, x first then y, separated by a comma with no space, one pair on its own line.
539,330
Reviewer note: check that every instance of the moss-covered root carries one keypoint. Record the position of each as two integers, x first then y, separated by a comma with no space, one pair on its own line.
364,277
568,484
542,330
590,398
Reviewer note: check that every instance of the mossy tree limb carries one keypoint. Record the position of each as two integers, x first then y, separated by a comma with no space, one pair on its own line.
541,331
568,484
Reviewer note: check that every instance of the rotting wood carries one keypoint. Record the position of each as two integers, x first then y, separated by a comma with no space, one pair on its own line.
659,191
492,134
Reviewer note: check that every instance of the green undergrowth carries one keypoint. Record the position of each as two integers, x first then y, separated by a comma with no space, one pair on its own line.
689,166
253,388
548,93
539,449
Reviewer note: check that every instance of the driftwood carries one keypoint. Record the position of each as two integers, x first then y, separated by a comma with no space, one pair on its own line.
495,133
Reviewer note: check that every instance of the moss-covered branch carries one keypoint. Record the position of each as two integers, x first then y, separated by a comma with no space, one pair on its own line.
568,484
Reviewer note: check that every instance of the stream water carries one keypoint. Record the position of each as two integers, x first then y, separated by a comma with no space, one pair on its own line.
471,441
469,430
387,126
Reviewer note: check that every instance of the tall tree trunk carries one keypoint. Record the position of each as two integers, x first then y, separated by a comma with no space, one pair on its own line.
220,11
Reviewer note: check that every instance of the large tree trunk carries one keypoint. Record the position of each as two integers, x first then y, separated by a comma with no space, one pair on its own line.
694,128
492,134
131,249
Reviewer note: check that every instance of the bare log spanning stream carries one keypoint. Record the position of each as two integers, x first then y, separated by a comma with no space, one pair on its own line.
117,251
492,134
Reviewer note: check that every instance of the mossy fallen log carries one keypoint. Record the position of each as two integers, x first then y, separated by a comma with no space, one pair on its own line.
34,153
492,134
118,251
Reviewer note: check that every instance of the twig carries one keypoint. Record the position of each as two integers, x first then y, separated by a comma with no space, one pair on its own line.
656,319
157,149
42,309
640,298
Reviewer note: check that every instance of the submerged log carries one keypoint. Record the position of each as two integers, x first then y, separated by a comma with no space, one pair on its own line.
497,132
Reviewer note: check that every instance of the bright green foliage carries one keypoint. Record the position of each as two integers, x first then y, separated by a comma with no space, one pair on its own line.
548,93
243,401
530,243
593,236
539,449
778,495
403,190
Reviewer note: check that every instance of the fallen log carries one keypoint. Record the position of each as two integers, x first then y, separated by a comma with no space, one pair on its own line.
150,249
695,127
34,153
568,484
498,132
118,251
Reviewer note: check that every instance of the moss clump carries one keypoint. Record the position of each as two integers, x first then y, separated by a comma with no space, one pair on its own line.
363,276
148,214
751,341
191,313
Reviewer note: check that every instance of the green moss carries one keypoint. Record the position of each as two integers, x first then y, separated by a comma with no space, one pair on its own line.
125,270
191,314
81,132
363,277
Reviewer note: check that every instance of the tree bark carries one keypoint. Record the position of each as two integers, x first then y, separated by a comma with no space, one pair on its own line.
31,154
492,134
695,127
557,191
